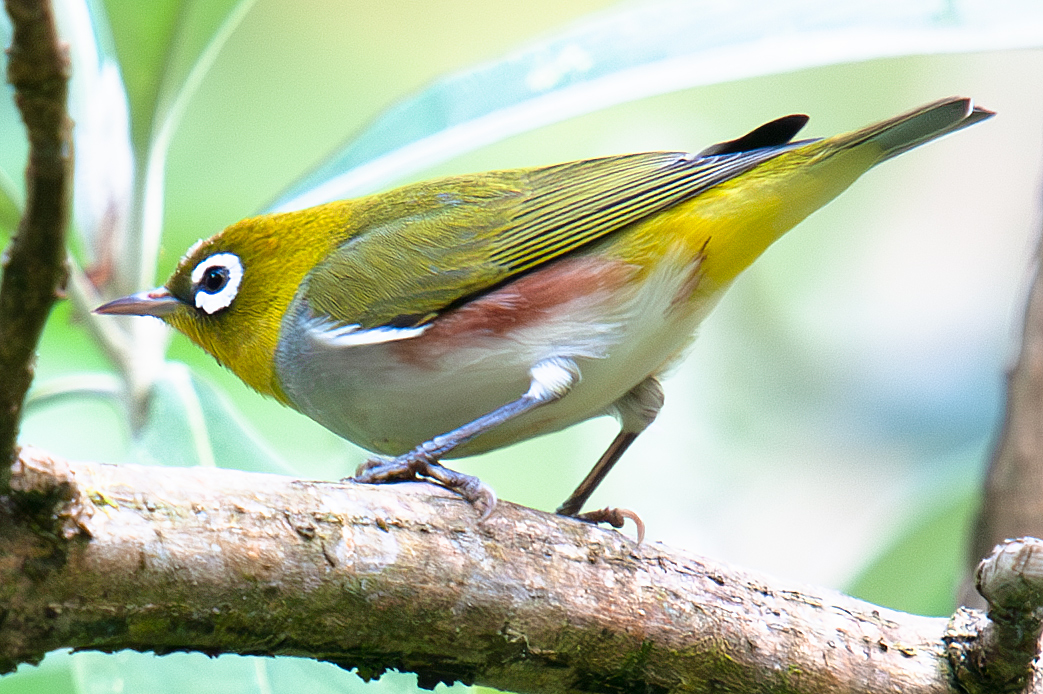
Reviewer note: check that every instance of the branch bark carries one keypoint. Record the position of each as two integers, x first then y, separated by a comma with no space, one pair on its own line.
34,271
111,557
1012,504
1000,656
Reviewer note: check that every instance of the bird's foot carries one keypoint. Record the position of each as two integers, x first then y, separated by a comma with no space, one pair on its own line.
416,466
615,517
385,470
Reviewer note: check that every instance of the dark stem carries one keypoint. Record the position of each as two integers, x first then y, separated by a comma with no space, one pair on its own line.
34,270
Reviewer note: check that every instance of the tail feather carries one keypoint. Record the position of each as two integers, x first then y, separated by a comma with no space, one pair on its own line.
777,133
902,133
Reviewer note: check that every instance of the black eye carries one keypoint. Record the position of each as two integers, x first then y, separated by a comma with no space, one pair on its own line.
214,279
215,282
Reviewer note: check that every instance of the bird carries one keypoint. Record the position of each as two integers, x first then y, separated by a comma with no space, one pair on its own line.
455,316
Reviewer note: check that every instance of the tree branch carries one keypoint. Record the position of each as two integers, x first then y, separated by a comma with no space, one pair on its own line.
999,657
34,271
111,557
1012,504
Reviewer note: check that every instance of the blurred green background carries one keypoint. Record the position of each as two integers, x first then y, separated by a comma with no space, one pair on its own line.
833,420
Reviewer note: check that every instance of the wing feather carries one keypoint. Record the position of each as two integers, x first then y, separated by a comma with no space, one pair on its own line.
426,248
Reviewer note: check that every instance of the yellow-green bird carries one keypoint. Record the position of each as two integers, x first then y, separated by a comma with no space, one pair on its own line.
455,316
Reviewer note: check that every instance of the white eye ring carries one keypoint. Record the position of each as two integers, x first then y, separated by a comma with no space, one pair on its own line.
212,302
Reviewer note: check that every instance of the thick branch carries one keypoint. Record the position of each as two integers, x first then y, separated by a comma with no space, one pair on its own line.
402,577
34,272
999,657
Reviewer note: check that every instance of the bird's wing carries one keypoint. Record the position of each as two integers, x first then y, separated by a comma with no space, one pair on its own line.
429,247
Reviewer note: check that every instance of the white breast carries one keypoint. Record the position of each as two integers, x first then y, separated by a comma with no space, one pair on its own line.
389,391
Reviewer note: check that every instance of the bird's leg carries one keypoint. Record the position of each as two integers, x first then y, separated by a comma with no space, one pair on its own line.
636,410
551,380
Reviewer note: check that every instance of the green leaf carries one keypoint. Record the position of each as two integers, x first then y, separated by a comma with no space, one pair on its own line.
143,33
190,423
642,51
165,47
52,676
921,570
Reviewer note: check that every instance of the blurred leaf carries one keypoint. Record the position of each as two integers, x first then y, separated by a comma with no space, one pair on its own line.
10,203
52,676
12,142
71,387
638,52
97,106
921,571
143,33
190,423
104,181
191,673
183,673
165,46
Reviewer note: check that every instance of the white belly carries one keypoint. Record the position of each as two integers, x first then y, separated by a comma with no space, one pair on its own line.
390,396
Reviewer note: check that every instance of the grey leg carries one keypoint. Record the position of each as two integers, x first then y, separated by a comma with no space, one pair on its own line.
636,410
552,379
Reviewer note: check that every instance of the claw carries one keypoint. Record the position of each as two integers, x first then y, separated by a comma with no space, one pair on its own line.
476,492
413,467
381,470
615,517
487,498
